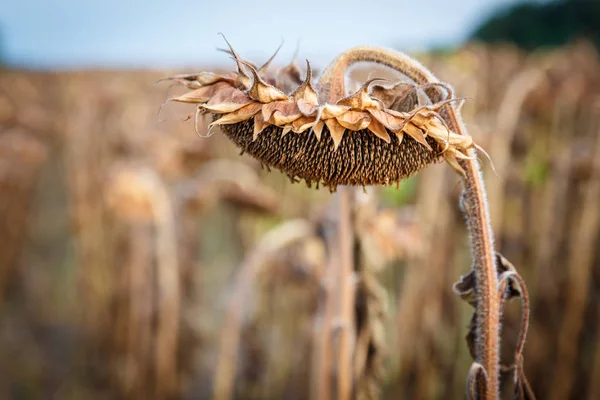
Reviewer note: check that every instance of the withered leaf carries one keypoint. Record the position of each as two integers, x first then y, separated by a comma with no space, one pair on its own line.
289,77
262,91
306,92
402,96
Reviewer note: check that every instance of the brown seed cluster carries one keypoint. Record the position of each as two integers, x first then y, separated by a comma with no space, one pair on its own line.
360,159
378,135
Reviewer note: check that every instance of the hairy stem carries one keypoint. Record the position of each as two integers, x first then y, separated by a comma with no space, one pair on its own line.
332,87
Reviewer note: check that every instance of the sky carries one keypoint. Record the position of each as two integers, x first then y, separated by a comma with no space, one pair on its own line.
65,34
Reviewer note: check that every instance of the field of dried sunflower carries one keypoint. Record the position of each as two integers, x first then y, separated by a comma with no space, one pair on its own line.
140,261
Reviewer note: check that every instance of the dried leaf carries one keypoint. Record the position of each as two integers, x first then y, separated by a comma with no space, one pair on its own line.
402,96
262,91
465,288
306,92
476,382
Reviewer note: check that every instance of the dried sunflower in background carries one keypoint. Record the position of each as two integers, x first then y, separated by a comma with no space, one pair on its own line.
378,135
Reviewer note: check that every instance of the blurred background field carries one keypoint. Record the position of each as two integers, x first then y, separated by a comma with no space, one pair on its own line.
139,261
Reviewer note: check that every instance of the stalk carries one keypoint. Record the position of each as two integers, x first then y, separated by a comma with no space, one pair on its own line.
332,86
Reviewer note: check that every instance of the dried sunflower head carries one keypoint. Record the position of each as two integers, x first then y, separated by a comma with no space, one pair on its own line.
377,135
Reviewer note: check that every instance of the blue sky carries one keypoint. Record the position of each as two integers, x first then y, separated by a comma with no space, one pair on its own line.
175,33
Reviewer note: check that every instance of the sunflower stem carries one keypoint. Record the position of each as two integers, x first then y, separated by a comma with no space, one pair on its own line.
331,87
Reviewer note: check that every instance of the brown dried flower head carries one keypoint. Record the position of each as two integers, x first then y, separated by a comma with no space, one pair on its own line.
319,133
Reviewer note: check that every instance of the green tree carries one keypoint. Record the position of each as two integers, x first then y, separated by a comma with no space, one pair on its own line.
547,24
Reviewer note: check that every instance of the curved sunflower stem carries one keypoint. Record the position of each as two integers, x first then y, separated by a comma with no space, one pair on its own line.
331,87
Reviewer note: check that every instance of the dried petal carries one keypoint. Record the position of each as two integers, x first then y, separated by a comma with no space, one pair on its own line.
318,129
306,108
197,80
389,121
331,111
417,134
287,111
259,125
227,100
302,124
336,131
400,136
354,120
280,119
379,130
242,114
203,94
